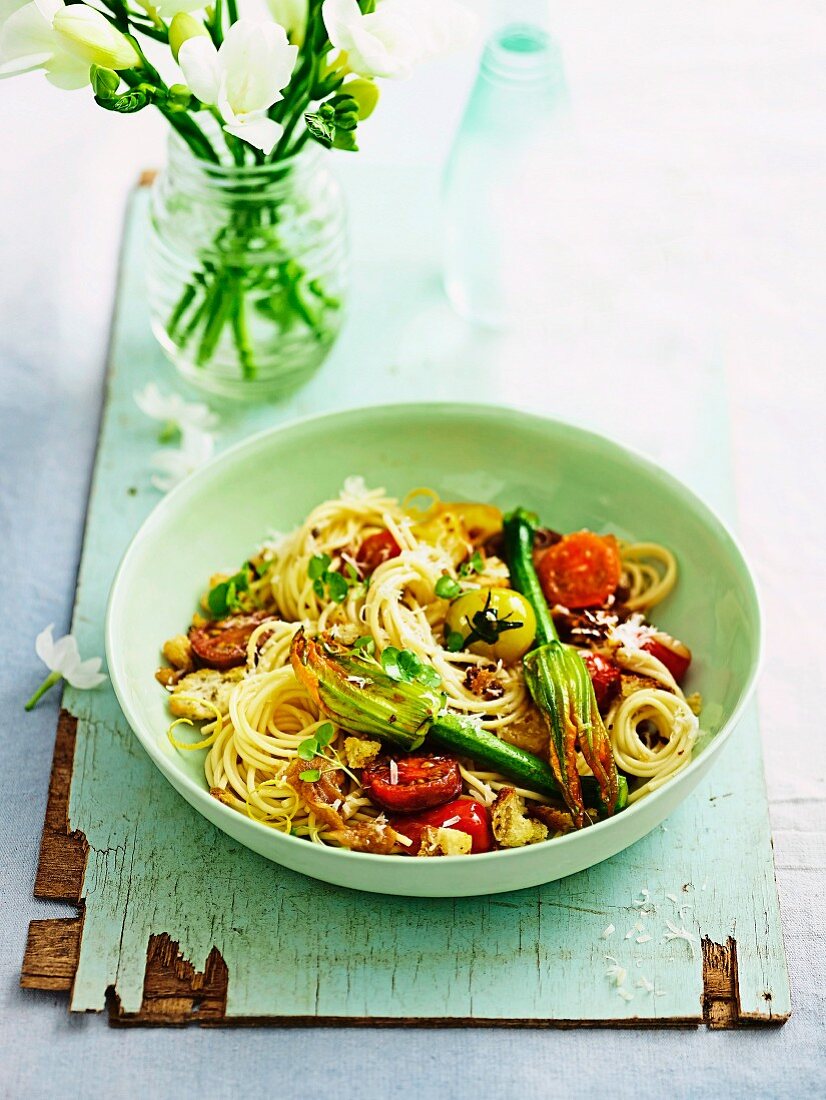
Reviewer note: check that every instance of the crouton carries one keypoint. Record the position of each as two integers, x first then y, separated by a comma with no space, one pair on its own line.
511,825
359,752
178,652
191,695
528,732
444,842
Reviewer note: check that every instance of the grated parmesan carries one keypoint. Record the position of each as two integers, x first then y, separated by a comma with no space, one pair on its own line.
609,931
675,933
615,973
394,774
643,939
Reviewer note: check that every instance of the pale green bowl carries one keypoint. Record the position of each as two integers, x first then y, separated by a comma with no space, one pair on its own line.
571,477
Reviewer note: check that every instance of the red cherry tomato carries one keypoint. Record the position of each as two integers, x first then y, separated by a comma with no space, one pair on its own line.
410,783
605,676
375,550
581,570
674,655
223,644
465,815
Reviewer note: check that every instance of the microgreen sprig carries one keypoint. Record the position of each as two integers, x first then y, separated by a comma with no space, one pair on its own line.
404,664
474,564
447,588
314,746
329,582
223,598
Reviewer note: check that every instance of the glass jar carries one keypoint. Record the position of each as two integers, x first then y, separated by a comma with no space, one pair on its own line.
246,270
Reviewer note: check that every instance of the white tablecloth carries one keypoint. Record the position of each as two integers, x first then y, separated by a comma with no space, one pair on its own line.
706,124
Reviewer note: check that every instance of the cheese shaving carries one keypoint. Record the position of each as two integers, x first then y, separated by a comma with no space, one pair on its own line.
675,933
615,973
609,931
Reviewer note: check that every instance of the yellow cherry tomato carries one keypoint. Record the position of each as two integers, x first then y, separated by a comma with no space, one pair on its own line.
486,619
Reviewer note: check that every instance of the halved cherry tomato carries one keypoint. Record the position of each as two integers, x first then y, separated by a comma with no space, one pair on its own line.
674,655
417,782
605,676
581,570
223,644
465,815
375,550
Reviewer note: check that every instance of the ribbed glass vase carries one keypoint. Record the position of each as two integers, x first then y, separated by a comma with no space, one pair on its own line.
246,270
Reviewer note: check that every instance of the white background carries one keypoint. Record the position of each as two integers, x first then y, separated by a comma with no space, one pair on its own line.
706,123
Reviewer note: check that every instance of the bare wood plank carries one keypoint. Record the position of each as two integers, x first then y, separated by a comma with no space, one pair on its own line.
63,851
52,953
174,992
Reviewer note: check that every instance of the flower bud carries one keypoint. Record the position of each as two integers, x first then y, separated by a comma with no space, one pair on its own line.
180,95
182,27
105,82
366,95
90,36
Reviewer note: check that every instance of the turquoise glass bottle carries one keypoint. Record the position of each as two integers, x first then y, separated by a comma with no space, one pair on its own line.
515,120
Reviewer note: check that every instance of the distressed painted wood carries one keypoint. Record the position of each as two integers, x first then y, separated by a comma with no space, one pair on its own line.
178,924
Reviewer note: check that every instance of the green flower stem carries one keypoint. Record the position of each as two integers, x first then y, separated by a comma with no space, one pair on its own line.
219,306
215,23
241,335
47,685
184,302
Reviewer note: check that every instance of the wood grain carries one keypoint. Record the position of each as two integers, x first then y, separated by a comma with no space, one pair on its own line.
52,954
63,851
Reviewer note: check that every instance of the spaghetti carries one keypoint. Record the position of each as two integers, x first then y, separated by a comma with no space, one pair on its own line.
366,570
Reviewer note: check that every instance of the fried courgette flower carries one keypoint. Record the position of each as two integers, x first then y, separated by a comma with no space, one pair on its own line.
560,686
357,694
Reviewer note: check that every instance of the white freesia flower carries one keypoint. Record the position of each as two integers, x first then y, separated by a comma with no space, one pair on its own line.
172,411
398,35
63,40
243,78
175,463
62,658
292,15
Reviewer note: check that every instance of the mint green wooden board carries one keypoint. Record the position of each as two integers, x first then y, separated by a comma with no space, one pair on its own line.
296,950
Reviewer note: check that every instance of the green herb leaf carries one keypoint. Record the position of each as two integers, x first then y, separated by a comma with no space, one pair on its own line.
454,641
217,600
475,564
365,644
429,676
409,664
447,588
308,749
337,586
310,776
390,663
318,588
318,566
324,735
